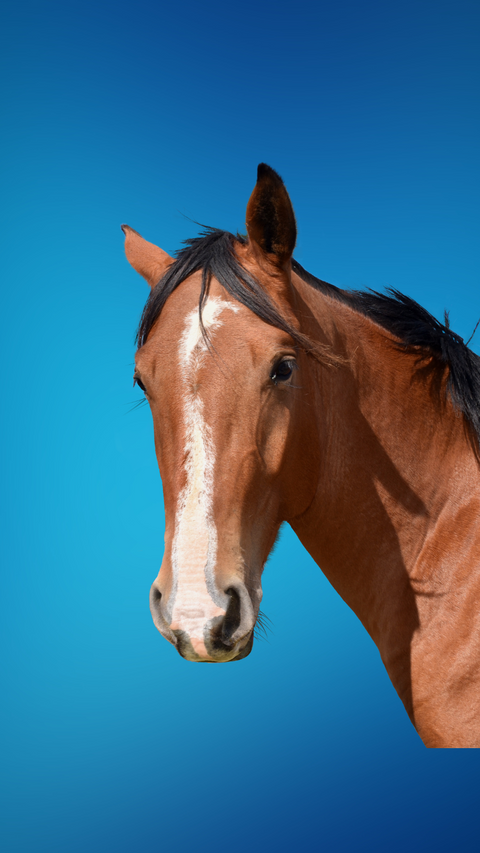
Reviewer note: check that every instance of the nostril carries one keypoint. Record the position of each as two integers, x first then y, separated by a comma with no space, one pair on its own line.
232,617
157,606
155,598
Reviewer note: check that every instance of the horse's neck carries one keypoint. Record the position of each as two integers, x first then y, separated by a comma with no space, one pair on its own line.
395,518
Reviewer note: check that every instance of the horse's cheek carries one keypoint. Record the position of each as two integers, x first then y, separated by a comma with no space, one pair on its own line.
272,439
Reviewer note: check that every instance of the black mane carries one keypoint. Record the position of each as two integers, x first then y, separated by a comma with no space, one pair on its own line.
415,328
213,254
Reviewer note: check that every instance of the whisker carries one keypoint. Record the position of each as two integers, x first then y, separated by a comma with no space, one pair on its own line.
137,405
263,626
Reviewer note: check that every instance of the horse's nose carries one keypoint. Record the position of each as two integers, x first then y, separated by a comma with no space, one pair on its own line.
238,621
231,637
223,637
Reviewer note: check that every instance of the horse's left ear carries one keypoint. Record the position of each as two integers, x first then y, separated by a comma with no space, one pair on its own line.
146,258
270,217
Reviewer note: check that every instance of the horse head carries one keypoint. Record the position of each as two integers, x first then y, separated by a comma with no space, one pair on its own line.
223,360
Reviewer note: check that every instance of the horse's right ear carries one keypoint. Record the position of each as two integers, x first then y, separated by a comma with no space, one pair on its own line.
270,217
146,258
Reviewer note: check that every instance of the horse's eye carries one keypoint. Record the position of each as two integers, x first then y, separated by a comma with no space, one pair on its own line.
138,381
283,370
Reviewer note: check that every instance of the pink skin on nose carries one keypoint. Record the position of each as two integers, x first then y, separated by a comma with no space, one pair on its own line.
199,648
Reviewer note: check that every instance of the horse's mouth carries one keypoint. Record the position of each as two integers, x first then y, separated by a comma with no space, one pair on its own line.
216,655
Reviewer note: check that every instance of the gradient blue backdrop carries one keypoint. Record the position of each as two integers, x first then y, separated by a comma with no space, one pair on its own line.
141,113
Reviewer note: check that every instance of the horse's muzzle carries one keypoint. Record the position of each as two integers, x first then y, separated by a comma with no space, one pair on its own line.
220,639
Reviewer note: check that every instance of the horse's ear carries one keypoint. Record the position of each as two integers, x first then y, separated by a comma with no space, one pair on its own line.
146,258
270,217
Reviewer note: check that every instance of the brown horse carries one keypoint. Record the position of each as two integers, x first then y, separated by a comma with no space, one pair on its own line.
352,416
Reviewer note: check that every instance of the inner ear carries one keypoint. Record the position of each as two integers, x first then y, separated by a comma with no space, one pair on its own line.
270,217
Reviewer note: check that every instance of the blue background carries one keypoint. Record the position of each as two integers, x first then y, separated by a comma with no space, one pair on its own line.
146,113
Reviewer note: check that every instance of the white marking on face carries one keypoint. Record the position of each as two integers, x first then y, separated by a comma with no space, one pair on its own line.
195,599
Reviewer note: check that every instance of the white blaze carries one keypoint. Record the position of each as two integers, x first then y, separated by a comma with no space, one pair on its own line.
194,550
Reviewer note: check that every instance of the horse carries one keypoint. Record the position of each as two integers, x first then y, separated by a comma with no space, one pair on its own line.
352,416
